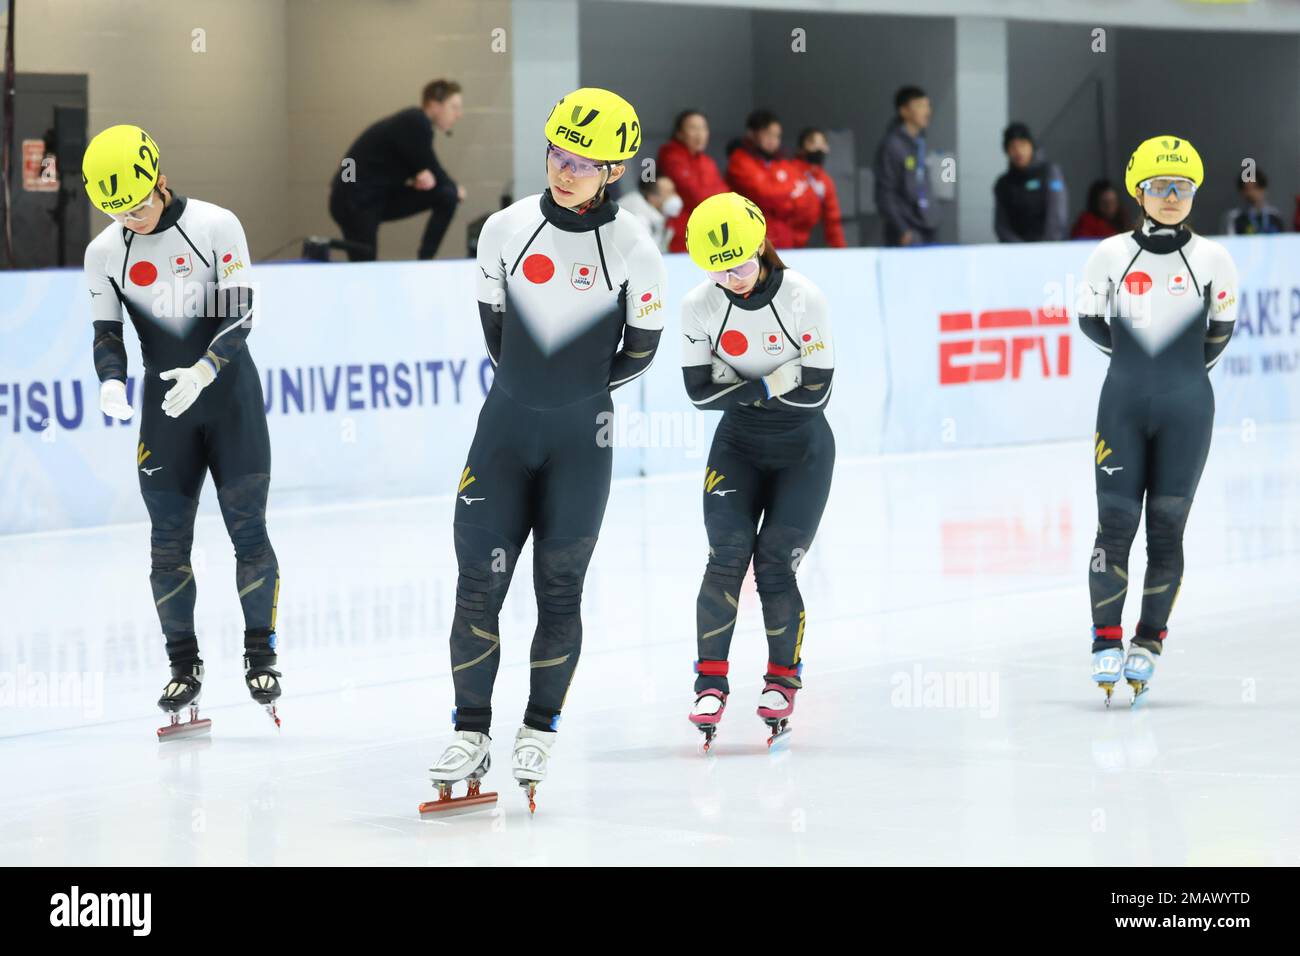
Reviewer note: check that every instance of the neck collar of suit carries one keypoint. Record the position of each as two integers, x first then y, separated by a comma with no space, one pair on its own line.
570,220
759,297
170,216
1161,239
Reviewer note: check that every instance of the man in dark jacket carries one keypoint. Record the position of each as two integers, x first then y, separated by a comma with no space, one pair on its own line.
1254,215
391,172
903,194
1030,197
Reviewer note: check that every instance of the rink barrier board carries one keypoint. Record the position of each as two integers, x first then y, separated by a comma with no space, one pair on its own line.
373,374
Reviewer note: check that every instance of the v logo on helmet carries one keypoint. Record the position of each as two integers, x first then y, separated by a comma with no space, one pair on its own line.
713,236
591,115
106,190
1165,143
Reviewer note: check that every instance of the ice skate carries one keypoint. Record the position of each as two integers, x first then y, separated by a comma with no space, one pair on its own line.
775,706
1139,668
532,753
466,758
1106,667
182,692
707,714
263,682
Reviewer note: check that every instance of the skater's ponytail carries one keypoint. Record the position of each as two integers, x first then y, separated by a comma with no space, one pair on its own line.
770,257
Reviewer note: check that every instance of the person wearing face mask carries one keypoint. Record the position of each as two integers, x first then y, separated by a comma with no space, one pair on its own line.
821,203
757,169
757,347
655,202
570,296
692,170
202,409
1161,301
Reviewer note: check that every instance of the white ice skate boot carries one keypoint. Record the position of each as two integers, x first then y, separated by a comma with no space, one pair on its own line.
466,758
1106,667
1139,668
532,753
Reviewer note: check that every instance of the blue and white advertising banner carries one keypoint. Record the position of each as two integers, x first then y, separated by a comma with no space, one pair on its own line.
373,374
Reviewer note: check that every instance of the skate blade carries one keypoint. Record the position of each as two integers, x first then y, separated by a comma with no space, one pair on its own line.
1109,688
710,732
1140,691
779,732
780,740
529,788
186,730
271,712
455,806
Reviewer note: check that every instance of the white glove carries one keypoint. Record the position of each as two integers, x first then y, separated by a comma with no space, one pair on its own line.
723,374
189,382
112,400
786,378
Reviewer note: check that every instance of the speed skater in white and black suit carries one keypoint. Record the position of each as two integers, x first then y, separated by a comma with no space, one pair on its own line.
180,268
570,295
1162,303
757,346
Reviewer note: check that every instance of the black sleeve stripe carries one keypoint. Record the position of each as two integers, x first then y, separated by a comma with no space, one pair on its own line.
206,263
796,342
127,255
540,225
600,248
1189,270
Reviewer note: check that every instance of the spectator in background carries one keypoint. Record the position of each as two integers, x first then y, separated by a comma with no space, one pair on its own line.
683,159
1030,199
756,170
394,173
902,180
1104,215
821,203
655,203
1254,215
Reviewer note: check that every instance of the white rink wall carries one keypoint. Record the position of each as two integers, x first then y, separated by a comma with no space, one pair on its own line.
374,373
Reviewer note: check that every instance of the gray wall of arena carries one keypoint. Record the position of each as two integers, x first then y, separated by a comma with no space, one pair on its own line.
258,119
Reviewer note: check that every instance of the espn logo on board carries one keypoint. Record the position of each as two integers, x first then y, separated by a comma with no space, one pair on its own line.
1003,344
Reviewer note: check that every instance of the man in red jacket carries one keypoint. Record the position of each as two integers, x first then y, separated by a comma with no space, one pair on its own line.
692,170
821,202
758,172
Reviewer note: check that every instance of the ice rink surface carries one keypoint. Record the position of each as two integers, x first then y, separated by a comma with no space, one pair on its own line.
948,715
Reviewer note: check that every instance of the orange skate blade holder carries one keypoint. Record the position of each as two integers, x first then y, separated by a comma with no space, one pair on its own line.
447,806
180,730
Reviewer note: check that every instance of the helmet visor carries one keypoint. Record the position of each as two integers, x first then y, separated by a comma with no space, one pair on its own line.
742,271
1161,186
135,213
582,167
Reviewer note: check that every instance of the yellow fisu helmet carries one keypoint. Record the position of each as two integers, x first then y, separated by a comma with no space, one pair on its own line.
595,124
723,231
1163,156
120,168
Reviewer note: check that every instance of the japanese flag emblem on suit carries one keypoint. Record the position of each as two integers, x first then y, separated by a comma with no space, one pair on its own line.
583,276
